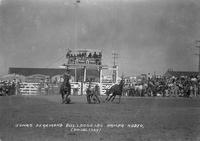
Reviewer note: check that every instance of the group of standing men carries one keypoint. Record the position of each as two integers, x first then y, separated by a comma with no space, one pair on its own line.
92,93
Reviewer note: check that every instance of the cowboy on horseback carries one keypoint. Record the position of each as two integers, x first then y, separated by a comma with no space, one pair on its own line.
89,93
65,89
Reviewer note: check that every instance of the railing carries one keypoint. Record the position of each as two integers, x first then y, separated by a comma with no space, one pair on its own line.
27,88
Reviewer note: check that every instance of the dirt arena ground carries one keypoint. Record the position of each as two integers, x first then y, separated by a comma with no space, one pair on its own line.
44,118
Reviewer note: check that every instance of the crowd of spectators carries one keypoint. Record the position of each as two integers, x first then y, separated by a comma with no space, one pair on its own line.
84,58
166,86
8,88
152,86
85,55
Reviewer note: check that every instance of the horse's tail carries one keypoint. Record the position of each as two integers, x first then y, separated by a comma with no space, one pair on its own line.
61,89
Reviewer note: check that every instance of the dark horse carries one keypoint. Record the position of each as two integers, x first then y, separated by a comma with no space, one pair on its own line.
65,90
115,90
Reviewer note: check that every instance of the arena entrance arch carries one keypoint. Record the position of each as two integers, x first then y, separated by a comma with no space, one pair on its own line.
85,60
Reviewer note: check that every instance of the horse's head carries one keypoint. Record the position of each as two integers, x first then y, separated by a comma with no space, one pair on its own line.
107,92
122,82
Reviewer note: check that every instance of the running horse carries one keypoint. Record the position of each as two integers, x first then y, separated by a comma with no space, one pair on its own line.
65,90
114,91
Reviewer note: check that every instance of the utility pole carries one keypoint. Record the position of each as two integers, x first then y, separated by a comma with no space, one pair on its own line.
76,32
115,67
76,4
198,46
115,57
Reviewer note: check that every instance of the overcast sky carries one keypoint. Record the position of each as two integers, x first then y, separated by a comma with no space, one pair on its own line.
149,35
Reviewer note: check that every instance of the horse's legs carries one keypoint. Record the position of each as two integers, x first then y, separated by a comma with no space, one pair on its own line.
66,97
88,98
107,98
120,98
110,97
97,98
62,95
113,98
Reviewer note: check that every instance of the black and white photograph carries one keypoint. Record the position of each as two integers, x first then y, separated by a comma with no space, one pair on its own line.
99,70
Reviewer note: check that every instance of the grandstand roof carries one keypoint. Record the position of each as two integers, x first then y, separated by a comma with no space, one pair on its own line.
50,71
